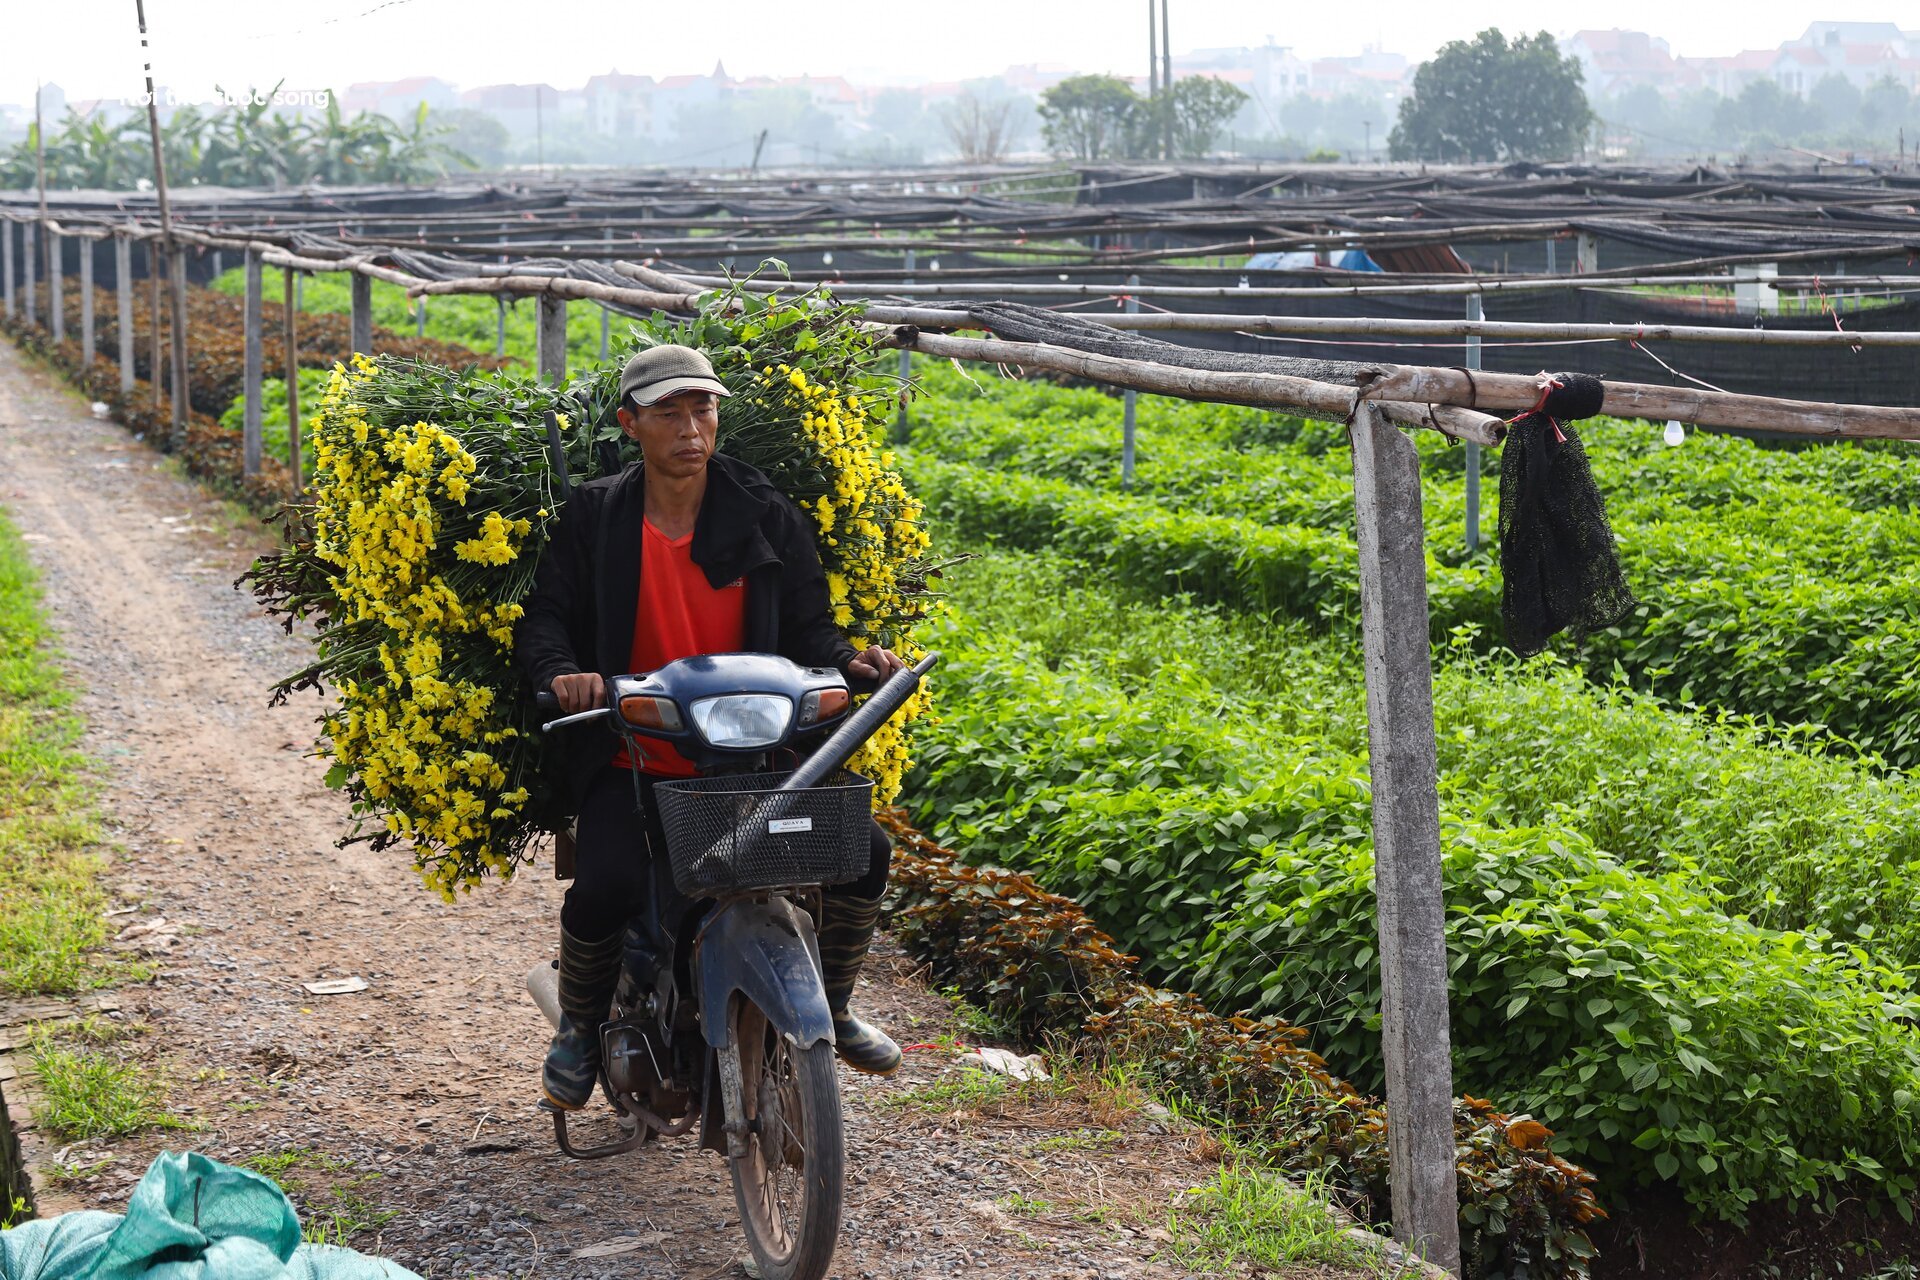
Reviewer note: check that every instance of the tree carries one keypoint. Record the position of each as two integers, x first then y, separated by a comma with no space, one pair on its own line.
1193,113
1090,117
979,129
1488,100
1763,115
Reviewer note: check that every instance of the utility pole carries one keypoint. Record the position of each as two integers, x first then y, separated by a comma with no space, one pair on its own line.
1366,154
758,143
1153,53
539,132
1166,81
178,275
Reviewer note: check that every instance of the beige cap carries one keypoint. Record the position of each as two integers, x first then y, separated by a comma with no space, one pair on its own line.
658,372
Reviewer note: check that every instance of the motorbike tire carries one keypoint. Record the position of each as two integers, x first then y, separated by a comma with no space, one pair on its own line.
797,1150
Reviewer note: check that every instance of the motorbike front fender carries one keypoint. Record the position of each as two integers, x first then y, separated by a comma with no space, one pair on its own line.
765,951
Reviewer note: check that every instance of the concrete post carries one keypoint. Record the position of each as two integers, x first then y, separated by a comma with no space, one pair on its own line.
294,426
1476,310
420,317
156,362
86,304
1406,840
1553,256
1586,254
250,375
182,387
606,316
500,336
552,343
123,309
29,249
1753,290
1129,404
901,429
6,267
362,291
56,281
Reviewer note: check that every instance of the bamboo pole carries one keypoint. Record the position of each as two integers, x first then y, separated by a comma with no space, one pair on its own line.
1406,391
1344,327
559,287
1067,289
178,273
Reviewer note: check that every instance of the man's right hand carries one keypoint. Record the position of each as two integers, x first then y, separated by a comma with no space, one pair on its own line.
581,691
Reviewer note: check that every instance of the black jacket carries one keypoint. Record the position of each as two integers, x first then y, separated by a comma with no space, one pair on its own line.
579,615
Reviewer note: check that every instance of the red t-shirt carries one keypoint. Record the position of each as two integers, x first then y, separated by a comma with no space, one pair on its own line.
679,615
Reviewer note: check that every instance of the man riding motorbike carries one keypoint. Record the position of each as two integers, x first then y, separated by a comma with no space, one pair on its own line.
686,552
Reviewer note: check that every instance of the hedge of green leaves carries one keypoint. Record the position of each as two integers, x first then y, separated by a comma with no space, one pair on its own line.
1664,1039
1777,583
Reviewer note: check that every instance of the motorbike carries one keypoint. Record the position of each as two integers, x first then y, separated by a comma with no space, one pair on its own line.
719,1024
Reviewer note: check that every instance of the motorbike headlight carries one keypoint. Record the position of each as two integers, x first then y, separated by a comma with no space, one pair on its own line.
743,720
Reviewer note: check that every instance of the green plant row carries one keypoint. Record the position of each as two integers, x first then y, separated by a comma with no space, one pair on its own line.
1790,834
1816,625
1665,1040
1143,544
1074,433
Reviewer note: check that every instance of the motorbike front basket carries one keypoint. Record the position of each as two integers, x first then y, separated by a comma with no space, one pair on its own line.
739,831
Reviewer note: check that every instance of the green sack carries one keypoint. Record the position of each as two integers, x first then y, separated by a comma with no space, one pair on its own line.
190,1218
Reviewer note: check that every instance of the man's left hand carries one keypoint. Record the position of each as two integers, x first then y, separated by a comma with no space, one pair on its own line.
876,664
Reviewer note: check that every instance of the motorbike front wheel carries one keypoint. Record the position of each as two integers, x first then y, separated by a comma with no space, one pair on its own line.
790,1184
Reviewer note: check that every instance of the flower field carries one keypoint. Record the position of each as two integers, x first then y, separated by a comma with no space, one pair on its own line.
1681,917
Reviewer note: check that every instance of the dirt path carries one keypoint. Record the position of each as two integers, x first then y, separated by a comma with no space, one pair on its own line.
427,1080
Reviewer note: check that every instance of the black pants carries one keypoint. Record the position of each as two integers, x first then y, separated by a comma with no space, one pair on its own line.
610,871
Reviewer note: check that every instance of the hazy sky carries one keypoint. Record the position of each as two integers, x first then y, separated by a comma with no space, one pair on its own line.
90,47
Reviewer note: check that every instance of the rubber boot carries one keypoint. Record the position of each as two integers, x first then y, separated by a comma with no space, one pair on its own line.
589,971
846,931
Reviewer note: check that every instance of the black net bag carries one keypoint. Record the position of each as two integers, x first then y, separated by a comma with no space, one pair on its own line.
1556,547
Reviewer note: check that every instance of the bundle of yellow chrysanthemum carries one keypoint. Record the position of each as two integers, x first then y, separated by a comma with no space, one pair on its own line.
432,494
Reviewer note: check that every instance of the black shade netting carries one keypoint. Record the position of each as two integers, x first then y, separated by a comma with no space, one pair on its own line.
1556,548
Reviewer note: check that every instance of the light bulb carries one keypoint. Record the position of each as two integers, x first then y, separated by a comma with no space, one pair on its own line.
1675,434
827,258
934,265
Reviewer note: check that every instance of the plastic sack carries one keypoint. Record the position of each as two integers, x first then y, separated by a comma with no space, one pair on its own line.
190,1218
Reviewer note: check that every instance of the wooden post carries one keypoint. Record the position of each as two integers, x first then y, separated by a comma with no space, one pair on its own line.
1128,405
6,266
123,307
250,371
1586,254
1406,839
56,301
86,304
420,318
1475,311
551,346
294,426
500,336
182,391
361,287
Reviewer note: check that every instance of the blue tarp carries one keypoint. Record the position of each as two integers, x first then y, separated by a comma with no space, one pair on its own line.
1301,260
190,1218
